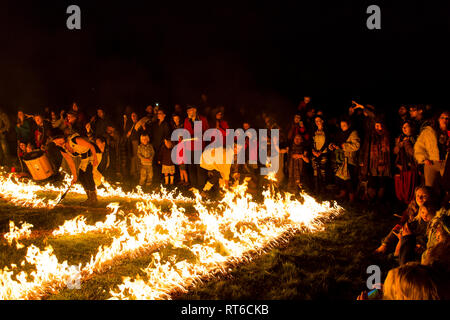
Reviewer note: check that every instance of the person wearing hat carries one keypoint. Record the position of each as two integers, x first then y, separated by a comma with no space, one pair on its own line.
74,146
197,175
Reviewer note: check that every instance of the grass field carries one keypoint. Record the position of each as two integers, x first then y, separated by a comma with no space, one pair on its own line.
327,264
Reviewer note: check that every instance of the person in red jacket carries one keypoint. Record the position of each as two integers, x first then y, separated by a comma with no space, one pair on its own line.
304,104
197,175
219,124
297,127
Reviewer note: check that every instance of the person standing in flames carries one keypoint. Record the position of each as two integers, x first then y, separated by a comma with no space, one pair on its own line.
74,146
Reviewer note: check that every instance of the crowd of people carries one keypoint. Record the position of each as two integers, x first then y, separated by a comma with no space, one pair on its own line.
362,155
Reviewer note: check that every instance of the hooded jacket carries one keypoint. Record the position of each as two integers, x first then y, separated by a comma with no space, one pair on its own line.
426,146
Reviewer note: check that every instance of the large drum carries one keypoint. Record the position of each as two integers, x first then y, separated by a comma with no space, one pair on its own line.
39,165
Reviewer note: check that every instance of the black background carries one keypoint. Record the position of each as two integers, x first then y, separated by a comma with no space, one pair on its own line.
251,54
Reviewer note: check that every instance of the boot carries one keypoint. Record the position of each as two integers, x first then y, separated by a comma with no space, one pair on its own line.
91,200
88,201
94,199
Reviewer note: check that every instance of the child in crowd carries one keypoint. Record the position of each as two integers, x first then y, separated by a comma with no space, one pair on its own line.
422,194
22,170
298,127
22,149
414,234
439,230
177,124
184,181
420,226
145,153
165,159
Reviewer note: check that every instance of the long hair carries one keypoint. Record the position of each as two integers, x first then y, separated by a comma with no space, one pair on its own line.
411,281
431,208
435,121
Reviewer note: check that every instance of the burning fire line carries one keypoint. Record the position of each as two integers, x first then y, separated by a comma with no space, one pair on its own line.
139,236
74,226
24,194
223,226
163,279
16,234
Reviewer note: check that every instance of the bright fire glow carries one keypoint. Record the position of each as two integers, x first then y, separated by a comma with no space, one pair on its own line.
218,236
27,194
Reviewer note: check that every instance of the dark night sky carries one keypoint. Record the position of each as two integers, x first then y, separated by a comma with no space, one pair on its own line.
253,54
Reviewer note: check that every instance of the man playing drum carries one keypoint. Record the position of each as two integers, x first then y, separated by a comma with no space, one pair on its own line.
74,146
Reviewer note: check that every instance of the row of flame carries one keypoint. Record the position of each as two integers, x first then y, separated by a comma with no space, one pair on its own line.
239,225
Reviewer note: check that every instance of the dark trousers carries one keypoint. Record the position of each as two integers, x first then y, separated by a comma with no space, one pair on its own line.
349,185
157,170
86,178
214,177
319,165
197,175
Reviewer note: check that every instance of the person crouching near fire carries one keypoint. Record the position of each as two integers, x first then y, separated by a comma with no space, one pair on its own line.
73,146
218,161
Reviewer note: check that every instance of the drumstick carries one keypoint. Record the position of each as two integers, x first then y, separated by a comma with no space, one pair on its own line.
64,195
